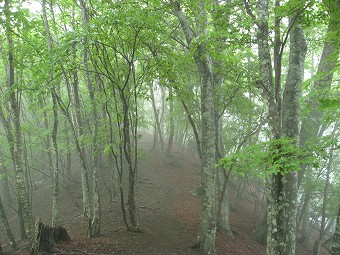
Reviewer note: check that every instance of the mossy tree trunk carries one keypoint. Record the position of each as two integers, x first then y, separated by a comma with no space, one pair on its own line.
290,129
284,120
207,230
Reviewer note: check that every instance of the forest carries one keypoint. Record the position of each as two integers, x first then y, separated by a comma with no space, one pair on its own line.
114,114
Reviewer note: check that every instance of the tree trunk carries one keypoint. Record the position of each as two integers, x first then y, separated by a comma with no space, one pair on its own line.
207,230
8,200
158,128
129,153
208,173
15,109
223,223
171,123
43,106
290,128
95,219
46,238
319,242
282,194
78,132
336,237
55,172
7,228
312,121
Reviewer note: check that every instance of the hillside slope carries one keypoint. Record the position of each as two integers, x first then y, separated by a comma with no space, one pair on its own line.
169,213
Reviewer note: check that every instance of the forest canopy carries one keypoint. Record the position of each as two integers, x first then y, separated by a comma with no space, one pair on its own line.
249,86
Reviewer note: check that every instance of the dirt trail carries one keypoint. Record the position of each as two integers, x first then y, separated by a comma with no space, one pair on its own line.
169,213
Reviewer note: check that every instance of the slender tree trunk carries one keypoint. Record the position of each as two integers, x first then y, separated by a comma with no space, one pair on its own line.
8,200
95,220
305,214
78,132
158,129
128,152
171,123
7,228
336,237
15,108
55,185
45,117
223,223
319,242
68,157
55,169
311,123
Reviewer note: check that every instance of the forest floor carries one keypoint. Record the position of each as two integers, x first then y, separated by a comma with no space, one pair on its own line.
169,213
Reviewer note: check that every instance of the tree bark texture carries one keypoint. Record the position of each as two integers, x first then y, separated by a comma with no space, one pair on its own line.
55,170
17,151
7,228
336,237
158,128
95,218
312,121
282,198
207,231
171,123
320,240
46,238
284,209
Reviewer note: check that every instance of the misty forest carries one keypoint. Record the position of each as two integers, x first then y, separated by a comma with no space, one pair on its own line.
170,127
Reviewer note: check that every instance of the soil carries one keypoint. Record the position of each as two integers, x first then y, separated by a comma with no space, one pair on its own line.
169,213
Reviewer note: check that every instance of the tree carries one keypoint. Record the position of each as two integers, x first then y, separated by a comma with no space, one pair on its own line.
7,228
313,119
283,119
95,219
207,232
336,238
55,183
14,102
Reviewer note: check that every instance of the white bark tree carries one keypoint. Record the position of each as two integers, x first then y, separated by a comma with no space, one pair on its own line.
207,232
283,119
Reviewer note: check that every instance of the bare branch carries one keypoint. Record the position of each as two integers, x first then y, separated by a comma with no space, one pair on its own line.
248,9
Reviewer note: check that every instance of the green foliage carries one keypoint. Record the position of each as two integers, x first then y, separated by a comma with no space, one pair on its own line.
277,156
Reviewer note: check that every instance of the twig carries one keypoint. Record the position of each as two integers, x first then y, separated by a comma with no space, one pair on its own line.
150,208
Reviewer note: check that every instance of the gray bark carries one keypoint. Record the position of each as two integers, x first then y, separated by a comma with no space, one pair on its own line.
319,242
282,199
285,238
207,231
171,123
55,172
336,237
14,104
223,223
78,131
311,123
8,200
95,219
7,228
158,128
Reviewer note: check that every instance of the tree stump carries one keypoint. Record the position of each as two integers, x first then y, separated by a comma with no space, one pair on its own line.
46,238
